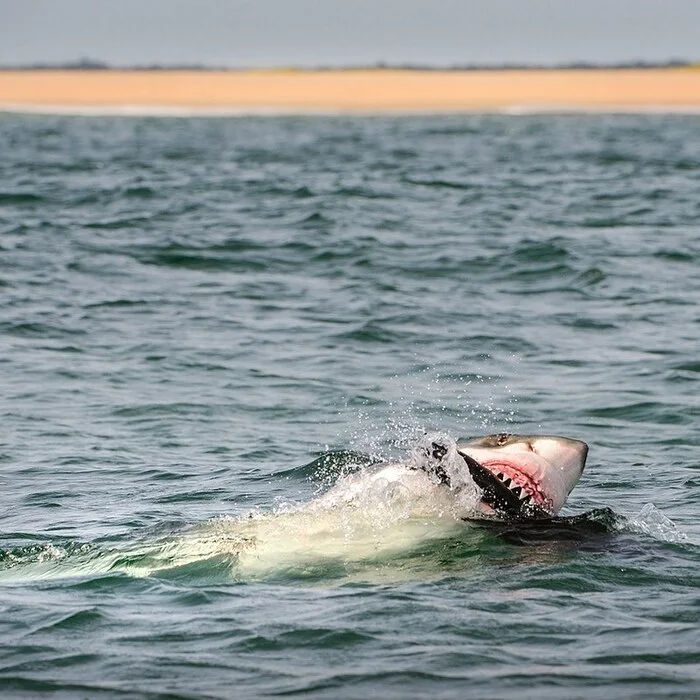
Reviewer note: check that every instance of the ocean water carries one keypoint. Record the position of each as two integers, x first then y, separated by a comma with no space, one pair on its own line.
205,323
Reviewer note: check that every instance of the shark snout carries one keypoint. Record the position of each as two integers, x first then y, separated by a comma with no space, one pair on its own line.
565,452
565,457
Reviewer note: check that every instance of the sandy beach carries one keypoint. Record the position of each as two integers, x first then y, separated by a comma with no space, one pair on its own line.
392,91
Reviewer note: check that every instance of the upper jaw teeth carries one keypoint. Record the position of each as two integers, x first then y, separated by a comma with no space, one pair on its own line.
519,491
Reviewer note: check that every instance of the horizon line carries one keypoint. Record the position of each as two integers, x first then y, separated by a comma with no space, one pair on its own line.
96,65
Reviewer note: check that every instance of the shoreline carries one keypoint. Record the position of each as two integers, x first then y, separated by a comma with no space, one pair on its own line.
164,112
350,91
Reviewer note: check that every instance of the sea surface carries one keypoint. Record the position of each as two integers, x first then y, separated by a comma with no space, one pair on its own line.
206,322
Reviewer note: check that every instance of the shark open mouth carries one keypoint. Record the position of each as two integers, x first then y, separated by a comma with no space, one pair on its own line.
507,490
519,476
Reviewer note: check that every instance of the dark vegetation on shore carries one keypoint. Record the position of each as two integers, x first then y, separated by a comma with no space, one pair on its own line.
96,65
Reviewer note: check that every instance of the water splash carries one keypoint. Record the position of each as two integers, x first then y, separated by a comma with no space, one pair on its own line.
477,403
441,448
651,521
40,553
369,517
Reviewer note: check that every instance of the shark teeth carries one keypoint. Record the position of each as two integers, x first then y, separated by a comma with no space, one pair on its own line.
514,488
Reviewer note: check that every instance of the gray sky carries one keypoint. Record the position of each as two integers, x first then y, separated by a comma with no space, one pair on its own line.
342,32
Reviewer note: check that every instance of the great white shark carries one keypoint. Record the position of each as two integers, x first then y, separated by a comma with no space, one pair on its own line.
496,476
369,517
387,510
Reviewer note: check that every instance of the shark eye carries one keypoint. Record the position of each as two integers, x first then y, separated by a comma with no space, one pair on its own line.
502,438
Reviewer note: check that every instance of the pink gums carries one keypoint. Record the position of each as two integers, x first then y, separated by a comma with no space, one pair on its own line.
521,478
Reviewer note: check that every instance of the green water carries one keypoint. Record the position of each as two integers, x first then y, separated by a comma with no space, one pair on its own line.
204,323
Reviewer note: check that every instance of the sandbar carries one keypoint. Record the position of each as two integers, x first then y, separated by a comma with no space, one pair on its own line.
351,91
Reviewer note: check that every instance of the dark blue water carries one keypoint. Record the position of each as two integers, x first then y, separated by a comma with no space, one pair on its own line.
203,322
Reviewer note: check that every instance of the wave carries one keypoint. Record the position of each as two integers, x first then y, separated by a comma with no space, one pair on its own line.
378,534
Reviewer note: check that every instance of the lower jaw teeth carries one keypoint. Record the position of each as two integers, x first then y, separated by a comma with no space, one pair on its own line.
525,498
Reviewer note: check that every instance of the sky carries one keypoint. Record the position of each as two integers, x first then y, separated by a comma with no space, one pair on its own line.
263,33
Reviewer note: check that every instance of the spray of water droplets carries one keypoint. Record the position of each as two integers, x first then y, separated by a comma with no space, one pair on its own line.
462,405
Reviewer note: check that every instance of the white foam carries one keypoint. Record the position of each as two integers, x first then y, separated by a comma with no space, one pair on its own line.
544,108
367,516
136,110
175,111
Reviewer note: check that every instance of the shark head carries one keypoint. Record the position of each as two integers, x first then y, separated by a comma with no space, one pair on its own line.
524,475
